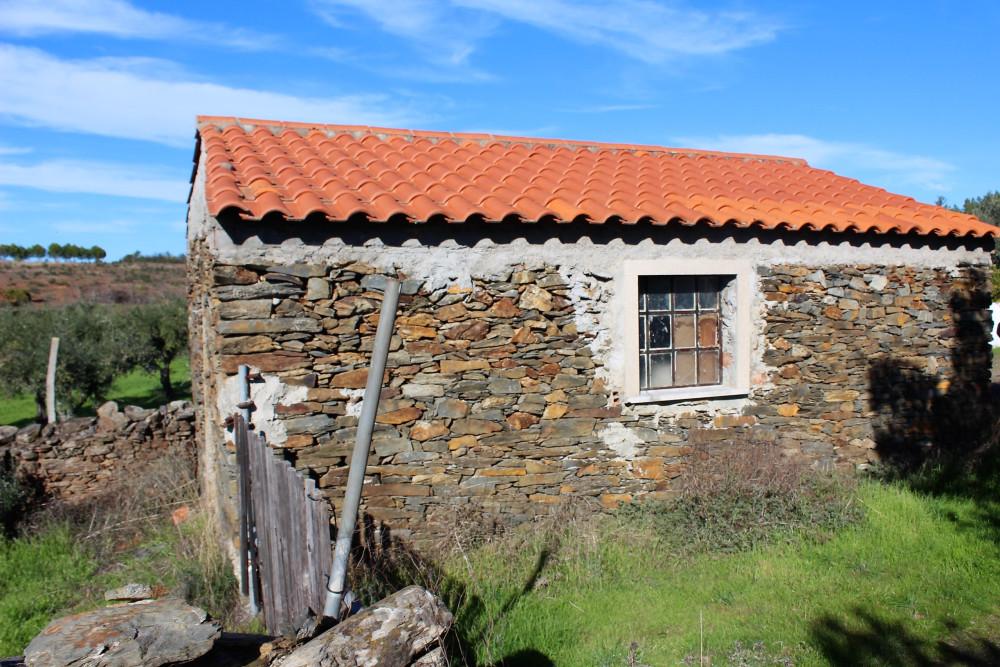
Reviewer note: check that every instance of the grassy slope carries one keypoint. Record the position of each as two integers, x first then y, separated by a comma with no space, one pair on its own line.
916,569
135,388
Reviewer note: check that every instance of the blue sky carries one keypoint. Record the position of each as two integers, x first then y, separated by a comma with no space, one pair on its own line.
98,97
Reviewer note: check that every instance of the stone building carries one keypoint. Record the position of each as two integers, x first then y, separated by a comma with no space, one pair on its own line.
577,319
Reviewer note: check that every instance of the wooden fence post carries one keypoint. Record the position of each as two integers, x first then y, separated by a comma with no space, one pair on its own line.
50,381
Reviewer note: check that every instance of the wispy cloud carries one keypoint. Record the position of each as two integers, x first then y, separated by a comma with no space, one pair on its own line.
107,97
850,158
14,150
118,18
652,32
94,177
445,33
610,108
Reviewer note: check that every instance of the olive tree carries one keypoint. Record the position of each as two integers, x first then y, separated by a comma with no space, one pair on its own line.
95,347
160,334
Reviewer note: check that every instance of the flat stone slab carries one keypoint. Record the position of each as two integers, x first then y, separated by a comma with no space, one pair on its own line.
129,593
147,634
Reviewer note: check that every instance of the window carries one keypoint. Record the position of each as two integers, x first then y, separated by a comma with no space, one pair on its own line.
680,332
687,332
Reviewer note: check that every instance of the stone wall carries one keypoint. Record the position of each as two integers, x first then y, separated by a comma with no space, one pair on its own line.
86,457
499,399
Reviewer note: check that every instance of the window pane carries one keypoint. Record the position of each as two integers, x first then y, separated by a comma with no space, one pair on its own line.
708,367
684,293
708,293
659,331
642,371
660,374
708,330
683,330
657,293
642,333
685,371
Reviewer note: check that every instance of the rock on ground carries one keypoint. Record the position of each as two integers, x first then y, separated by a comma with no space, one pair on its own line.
403,629
149,633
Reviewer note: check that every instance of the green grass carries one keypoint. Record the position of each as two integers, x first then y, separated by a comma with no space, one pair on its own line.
135,388
39,577
914,571
67,557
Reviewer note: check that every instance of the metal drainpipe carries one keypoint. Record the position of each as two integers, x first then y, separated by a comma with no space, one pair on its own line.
244,376
362,445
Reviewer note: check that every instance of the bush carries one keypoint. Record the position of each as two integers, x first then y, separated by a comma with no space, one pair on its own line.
746,495
15,296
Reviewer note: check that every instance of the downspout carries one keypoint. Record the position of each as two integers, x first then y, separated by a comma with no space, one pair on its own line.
362,445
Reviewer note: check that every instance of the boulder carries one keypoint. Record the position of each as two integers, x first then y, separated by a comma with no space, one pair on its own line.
149,633
405,628
135,414
7,434
107,409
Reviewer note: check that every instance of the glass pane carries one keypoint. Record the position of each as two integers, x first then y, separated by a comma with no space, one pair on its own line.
659,371
642,294
659,331
685,371
683,330
642,371
642,333
684,293
657,293
708,293
708,367
708,330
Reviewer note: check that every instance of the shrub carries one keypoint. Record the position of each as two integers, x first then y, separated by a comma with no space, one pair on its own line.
15,296
749,494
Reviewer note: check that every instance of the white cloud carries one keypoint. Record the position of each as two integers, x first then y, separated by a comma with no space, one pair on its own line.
103,178
649,31
849,158
116,18
112,98
446,35
14,150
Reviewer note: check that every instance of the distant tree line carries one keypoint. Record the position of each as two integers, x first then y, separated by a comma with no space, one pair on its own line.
156,258
98,343
59,251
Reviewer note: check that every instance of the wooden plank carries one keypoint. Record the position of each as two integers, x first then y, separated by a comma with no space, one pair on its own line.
239,435
291,553
253,575
262,498
313,542
256,498
292,537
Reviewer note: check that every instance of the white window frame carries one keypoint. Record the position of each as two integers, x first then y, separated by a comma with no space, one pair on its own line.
736,382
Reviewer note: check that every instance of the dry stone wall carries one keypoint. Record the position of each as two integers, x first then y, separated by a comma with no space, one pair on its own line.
86,457
498,402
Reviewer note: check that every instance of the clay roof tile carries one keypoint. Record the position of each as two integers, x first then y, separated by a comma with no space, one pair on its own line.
297,170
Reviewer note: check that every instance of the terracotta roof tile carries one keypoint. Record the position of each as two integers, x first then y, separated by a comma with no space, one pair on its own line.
262,168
